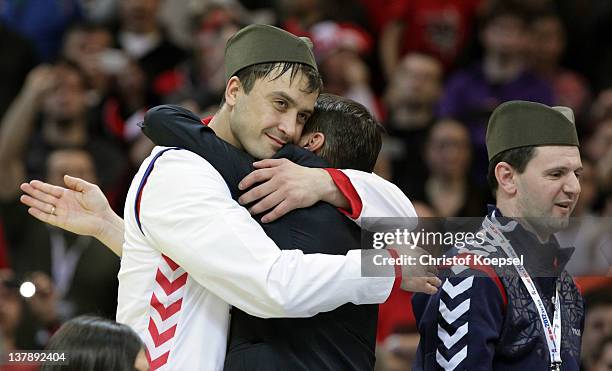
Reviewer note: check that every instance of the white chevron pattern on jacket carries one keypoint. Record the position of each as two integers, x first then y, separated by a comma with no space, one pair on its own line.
449,340
451,364
451,316
459,288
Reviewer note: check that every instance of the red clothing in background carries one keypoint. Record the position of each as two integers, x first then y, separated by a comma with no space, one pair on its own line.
396,311
437,27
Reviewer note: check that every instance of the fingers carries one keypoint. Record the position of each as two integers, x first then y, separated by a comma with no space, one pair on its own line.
37,204
430,289
271,162
77,184
51,189
434,281
43,217
46,196
280,210
258,192
267,203
255,177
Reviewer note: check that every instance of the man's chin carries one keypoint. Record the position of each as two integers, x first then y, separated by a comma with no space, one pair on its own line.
557,223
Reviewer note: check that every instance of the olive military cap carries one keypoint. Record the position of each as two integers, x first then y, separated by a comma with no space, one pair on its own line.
260,43
518,124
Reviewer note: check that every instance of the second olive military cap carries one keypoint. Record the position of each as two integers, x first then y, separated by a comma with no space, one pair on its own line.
518,124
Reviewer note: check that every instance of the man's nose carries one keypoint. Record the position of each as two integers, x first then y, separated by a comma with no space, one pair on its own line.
572,185
288,126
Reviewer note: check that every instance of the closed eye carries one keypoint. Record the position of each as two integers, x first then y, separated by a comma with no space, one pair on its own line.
303,117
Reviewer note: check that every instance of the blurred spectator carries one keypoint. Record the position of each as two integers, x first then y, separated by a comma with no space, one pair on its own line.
599,147
597,323
589,26
298,16
99,11
410,101
448,189
88,45
588,233
471,95
142,38
16,328
437,27
41,21
339,49
377,14
51,112
412,93
177,15
18,58
94,343
73,274
397,352
546,50
203,75
601,108
123,110
602,356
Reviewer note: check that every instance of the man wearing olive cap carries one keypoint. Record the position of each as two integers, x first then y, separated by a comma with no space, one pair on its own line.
516,317
190,249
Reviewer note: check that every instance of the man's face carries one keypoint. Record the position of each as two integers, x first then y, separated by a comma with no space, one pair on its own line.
272,114
597,325
74,162
139,15
419,77
548,189
505,35
547,40
448,150
66,102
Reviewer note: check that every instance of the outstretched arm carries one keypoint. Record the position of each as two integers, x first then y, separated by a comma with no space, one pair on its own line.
80,208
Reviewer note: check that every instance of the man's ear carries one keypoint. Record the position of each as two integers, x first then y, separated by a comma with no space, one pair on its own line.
232,88
315,141
506,178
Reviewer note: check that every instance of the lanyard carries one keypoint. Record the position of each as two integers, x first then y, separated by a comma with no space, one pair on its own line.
552,331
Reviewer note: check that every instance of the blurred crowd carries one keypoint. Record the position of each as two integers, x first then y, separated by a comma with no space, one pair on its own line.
78,75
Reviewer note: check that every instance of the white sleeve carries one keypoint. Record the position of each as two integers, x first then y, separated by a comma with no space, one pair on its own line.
381,200
187,213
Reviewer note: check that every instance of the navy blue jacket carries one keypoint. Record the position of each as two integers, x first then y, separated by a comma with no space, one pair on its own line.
483,318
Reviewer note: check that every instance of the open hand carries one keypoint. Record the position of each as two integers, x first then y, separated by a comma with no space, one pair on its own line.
80,208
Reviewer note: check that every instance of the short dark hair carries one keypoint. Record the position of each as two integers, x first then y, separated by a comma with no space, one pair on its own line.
506,8
353,138
73,66
518,158
250,74
95,343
